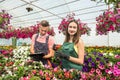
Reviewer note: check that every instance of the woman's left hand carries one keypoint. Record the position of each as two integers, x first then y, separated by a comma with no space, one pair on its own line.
61,55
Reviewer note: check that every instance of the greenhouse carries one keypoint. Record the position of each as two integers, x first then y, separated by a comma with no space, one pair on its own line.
59,40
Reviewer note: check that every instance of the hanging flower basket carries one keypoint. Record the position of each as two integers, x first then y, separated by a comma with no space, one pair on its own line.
51,31
117,18
105,23
84,29
4,19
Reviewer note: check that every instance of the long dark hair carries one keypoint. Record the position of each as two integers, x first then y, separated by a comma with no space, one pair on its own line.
76,35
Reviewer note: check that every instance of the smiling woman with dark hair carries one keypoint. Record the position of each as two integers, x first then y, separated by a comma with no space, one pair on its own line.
72,50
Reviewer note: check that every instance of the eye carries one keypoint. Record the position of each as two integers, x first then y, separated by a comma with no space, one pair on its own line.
44,30
74,27
70,26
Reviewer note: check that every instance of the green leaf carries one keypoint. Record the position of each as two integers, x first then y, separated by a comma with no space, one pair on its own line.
35,78
1,20
0,78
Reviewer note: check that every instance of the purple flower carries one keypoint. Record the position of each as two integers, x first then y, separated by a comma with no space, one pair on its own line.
85,69
97,59
89,59
99,54
94,53
101,63
93,64
86,63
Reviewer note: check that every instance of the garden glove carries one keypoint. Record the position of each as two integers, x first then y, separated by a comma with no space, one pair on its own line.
62,55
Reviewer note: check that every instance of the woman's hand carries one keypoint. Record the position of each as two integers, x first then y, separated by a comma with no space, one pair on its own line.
61,55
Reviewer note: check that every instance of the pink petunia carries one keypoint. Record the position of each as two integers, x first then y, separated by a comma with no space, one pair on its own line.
115,67
118,63
83,76
41,73
110,72
106,70
115,73
92,70
25,78
117,56
55,69
101,67
90,73
103,78
98,71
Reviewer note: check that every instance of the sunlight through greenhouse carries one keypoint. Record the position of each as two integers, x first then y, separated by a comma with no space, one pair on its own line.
59,40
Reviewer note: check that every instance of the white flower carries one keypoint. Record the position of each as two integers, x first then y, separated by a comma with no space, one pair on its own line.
3,75
21,52
6,67
9,72
110,63
22,64
109,72
111,54
105,54
35,67
54,78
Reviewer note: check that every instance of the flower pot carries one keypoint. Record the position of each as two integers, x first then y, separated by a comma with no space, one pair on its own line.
14,41
118,29
56,47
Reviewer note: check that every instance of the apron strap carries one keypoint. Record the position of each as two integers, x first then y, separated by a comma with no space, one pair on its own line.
47,38
49,62
36,37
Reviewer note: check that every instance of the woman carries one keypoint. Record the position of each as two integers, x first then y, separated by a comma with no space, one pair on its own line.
72,50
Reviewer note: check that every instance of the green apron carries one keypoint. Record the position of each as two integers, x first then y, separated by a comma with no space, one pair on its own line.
68,48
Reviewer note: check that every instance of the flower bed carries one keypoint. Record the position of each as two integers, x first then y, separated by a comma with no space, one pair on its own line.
101,63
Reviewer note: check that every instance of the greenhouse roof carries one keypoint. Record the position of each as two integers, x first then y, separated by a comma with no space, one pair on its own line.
51,10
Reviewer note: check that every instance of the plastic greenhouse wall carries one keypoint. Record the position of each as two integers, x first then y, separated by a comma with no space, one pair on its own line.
112,39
